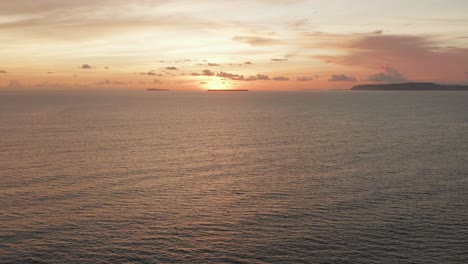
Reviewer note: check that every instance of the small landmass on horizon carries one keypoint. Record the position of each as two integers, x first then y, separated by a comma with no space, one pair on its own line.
410,87
227,90
157,90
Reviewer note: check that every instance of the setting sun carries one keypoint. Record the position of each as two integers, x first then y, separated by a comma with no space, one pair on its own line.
216,84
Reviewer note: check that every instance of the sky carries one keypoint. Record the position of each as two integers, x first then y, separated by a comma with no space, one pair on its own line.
236,44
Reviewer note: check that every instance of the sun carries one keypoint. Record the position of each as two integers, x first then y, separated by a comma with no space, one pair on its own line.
217,84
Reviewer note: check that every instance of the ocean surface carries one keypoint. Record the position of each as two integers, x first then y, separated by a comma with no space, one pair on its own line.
253,177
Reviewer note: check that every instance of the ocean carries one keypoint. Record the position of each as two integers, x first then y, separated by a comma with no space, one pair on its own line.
245,177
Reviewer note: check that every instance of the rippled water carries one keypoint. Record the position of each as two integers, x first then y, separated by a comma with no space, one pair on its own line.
257,177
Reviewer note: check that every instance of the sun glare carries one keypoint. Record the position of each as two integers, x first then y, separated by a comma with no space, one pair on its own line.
217,84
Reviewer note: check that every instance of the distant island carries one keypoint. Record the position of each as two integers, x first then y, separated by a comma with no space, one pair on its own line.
410,87
227,90
157,90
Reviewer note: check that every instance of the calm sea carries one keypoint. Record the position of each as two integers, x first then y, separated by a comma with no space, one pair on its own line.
253,177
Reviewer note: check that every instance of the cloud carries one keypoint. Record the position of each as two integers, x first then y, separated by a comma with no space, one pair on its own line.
389,74
157,81
248,62
86,66
204,73
256,41
420,57
262,77
342,78
105,82
304,79
3,72
281,78
376,32
203,82
299,24
231,76
87,18
50,72
279,59
213,64
151,73
258,77
207,73
171,68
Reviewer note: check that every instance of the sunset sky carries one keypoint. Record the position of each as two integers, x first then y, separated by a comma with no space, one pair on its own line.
259,45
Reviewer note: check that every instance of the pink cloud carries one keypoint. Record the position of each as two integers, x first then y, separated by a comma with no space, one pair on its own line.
419,56
388,74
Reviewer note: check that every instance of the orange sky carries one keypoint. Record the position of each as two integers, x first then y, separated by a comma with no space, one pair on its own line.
258,45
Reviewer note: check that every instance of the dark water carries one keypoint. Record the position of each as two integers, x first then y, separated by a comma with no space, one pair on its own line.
292,177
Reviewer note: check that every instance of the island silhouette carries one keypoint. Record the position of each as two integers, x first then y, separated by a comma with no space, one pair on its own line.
413,86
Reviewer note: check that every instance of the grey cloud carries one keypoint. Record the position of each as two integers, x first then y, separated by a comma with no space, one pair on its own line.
171,68
152,73
281,78
376,32
342,78
105,82
231,76
258,77
262,77
248,62
204,73
279,59
304,79
3,71
208,73
213,64
86,66
389,74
